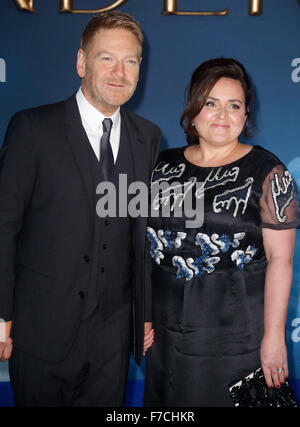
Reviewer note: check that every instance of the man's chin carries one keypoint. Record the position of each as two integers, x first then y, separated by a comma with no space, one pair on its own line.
116,102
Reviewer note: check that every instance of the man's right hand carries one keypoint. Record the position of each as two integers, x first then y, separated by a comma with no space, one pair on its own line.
5,341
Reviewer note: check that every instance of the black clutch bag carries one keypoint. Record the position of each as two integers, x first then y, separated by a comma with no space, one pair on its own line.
253,392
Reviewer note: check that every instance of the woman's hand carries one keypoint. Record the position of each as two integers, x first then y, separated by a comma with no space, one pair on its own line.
273,356
148,336
5,341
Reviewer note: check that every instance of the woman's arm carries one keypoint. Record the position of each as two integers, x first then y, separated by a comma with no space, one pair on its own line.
279,249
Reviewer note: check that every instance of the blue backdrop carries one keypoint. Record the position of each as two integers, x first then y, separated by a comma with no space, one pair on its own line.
37,66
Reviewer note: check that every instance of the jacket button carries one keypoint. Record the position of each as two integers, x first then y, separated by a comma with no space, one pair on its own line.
81,294
104,246
102,270
86,258
106,222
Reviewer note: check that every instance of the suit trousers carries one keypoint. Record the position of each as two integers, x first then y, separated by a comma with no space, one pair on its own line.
94,374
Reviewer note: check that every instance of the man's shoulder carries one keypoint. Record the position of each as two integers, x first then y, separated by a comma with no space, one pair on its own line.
42,113
140,122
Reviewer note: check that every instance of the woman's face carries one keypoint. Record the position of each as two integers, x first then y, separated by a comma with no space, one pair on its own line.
223,116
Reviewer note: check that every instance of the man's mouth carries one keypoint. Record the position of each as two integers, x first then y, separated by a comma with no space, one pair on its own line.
117,85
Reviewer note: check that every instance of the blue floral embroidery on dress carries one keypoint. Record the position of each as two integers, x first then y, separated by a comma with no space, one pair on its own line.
171,239
156,246
163,239
202,264
224,241
242,258
182,269
210,247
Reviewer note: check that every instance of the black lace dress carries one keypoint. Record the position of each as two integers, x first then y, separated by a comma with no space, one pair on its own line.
208,279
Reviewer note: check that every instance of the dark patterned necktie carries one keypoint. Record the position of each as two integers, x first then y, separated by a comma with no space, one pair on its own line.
106,154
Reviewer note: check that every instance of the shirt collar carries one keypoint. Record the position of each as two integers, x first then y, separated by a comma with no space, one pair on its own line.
91,115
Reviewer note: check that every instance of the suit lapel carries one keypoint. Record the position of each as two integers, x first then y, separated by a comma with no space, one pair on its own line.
137,148
77,141
142,174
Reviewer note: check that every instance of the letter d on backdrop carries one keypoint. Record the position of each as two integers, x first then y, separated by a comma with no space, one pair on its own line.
67,6
25,5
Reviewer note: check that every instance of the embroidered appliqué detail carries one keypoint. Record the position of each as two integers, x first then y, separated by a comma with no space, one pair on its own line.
282,193
165,190
191,267
163,240
156,246
224,241
182,269
170,195
202,264
216,178
166,172
238,196
170,238
243,257
210,247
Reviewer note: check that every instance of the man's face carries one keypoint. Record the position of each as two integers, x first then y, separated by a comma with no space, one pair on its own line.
109,69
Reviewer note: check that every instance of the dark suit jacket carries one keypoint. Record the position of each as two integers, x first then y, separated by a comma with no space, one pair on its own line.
46,226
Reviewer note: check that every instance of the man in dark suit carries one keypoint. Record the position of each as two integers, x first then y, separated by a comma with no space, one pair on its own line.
72,283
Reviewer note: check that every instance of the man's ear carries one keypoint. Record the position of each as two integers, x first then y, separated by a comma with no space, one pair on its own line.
80,64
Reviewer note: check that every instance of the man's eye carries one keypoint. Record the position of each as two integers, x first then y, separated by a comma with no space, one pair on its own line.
131,61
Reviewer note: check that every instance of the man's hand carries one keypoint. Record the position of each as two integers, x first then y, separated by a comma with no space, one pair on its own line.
148,336
5,341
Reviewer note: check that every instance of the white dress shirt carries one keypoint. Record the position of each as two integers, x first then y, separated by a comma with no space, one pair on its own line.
92,122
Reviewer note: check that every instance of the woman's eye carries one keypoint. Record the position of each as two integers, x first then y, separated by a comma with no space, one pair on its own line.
210,104
235,107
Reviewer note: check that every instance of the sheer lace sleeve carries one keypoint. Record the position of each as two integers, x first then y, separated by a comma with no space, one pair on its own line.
279,204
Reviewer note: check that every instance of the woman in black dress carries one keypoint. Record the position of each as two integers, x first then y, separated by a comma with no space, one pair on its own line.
220,289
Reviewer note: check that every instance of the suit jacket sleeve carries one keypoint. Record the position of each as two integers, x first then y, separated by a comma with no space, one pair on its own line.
16,183
148,261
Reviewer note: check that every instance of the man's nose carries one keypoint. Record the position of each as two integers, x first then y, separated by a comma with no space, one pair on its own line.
119,68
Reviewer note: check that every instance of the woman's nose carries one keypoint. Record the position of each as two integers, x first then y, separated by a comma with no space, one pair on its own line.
222,112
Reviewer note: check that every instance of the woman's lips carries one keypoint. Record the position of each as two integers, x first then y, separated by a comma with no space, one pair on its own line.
221,126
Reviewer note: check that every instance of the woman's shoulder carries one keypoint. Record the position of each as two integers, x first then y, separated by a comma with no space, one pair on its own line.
266,166
267,157
171,154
